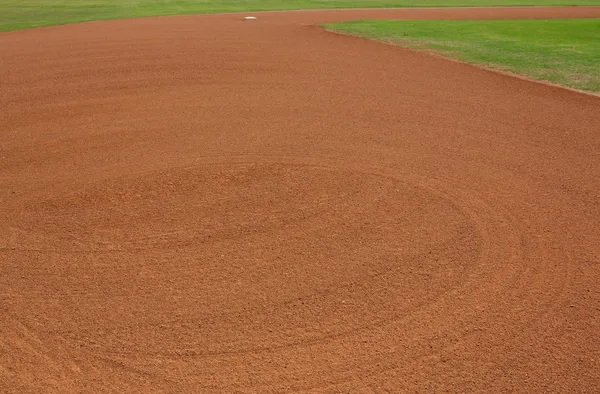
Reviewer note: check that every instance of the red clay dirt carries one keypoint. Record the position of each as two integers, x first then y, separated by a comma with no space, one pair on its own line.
202,204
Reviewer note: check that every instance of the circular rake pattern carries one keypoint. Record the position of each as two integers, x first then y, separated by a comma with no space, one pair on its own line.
199,204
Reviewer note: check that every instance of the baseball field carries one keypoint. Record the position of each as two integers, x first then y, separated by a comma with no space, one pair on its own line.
204,204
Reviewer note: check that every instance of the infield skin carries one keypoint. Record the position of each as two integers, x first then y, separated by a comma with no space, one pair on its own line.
206,204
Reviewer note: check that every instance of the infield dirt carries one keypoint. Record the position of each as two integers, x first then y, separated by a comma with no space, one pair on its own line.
206,204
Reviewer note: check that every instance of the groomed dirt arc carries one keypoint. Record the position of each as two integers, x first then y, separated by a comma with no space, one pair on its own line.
202,204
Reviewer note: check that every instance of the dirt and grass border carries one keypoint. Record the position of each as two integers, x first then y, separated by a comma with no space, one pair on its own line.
23,14
565,52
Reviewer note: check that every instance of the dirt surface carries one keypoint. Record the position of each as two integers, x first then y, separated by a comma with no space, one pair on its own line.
202,204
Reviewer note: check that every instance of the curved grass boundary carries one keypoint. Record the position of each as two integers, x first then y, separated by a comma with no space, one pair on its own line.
561,51
23,14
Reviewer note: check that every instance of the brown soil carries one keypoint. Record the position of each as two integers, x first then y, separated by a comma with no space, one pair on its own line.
203,204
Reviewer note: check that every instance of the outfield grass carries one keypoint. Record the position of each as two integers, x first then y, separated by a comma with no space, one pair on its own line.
563,51
21,14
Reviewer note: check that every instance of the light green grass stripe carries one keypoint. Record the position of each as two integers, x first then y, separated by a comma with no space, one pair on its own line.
562,51
21,14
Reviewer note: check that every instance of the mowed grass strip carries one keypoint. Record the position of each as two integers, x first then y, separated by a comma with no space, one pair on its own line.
22,14
562,51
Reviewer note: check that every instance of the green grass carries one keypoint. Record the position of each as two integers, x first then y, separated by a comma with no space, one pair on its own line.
562,51
21,14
